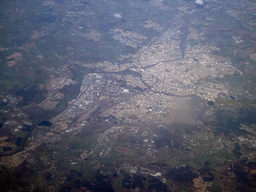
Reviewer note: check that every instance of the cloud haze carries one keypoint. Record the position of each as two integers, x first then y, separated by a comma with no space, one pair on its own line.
200,2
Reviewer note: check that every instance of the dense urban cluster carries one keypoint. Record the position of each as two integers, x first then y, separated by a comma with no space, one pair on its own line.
164,102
